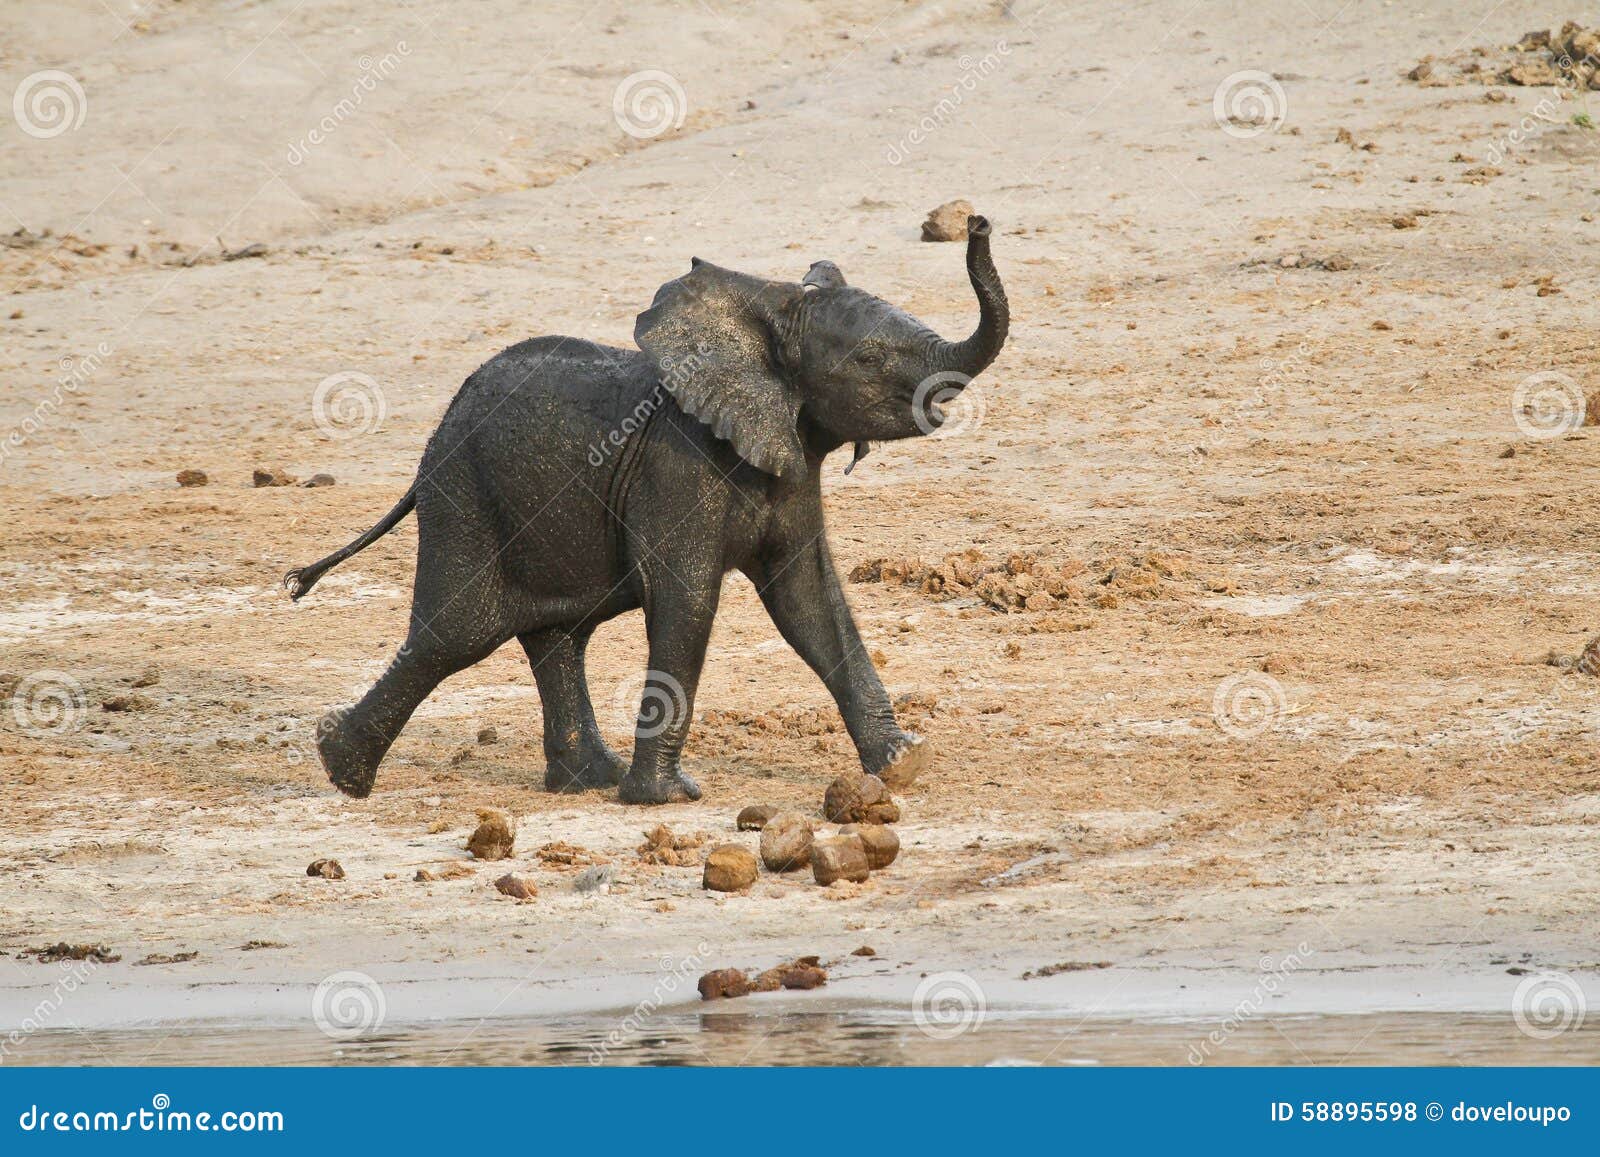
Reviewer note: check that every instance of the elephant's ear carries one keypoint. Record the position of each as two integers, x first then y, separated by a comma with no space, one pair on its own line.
714,334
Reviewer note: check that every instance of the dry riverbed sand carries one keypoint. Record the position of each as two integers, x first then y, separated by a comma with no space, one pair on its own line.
1226,606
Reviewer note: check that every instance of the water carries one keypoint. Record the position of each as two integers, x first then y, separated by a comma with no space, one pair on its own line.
866,1036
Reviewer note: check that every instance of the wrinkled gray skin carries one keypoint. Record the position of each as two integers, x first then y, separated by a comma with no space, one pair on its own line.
570,482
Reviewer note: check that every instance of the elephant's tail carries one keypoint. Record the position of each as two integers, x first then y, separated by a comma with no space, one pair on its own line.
297,582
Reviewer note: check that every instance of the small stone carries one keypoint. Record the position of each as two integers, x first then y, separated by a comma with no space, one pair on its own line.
948,222
1422,71
517,887
495,836
878,841
786,842
849,797
755,817
120,703
1509,452
1380,324
729,868
320,480
327,869
865,950
724,983
188,478
272,478
488,735
804,977
596,878
839,860
149,677
807,972
424,876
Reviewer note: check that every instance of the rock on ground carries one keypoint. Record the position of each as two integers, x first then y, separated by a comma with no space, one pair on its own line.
729,868
839,859
786,842
495,836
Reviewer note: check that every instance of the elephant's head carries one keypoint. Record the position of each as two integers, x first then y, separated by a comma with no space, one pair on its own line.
773,367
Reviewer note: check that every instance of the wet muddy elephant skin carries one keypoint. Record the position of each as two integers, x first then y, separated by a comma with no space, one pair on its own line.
570,482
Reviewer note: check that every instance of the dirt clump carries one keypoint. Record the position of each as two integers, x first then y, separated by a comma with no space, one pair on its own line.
54,953
755,817
859,798
865,950
729,868
563,856
1023,583
452,870
839,859
948,222
319,480
517,887
169,958
263,477
192,478
121,703
1065,966
488,735
148,677
326,869
878,841
495,836
662,846
805,973
786,842
724,983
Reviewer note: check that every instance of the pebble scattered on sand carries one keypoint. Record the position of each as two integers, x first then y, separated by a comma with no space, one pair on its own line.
189,478
327,869
517,887
755,817
263,477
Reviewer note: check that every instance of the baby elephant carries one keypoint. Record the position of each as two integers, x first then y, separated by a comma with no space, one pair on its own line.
570,482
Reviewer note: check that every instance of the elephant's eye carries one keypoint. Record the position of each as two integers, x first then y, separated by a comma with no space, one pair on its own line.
871,357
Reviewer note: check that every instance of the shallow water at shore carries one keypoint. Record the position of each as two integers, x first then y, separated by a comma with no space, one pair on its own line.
854,1037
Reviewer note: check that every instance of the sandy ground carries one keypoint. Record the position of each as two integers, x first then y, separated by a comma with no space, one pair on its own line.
1292,704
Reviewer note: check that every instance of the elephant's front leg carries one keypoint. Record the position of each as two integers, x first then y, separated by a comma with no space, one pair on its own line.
802,594
678,623
576,757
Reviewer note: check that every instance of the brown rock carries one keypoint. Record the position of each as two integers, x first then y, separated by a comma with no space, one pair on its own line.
272,477
495,837
488,735
948,222
149,677
729,868
879,842
517,887
424,876
807,972
838,859
327,869
662,846
1422,71
119,703
849,797
786,842
805,976
320,480
187,478
724,983
755,817
865,950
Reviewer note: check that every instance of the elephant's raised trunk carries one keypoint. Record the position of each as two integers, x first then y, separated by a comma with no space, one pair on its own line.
972,356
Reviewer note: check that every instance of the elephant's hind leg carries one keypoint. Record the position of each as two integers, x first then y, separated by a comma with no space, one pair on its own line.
576,757
352,741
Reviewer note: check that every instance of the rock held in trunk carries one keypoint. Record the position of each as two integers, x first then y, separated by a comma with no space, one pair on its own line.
877,840
858,798
495,836
839,859
724,983
755,817
786,842
948,222
327,869
517,887
729,868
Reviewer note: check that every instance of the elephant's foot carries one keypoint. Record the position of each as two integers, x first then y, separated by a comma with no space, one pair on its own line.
908,756
584,769
671,786
349,753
